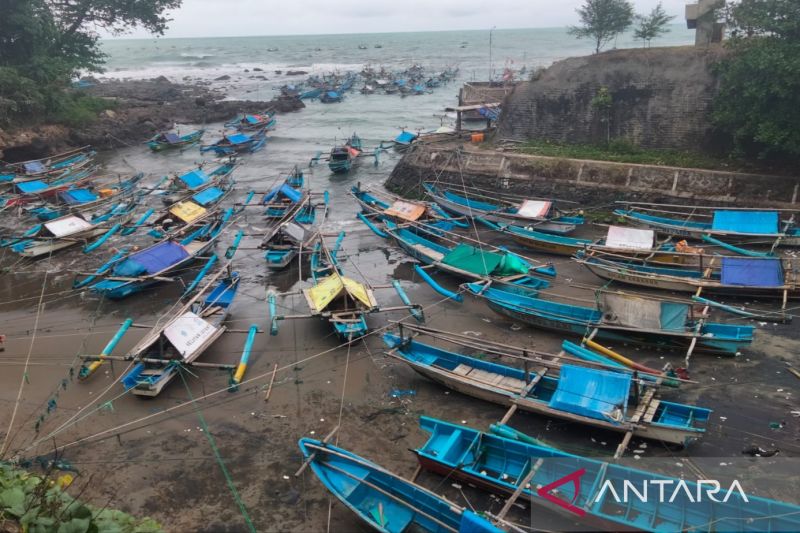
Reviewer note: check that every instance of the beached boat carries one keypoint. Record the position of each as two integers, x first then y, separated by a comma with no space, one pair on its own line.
731,225
133,272
613,400
295,233
383,500
622,241
343,157
264,121
173,141
282,200
70,230
620,317
340,300
193,328
538,213
237,143
463,260
26,192
183,184
535,472
47,168
83,199
768,277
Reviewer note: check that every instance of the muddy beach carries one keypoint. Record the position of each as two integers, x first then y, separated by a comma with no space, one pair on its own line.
163,457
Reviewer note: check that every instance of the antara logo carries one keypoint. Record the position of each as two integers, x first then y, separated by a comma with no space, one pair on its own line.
661,490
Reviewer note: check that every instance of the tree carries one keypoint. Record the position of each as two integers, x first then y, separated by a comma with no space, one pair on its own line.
602,20
758,103
45,43
652,26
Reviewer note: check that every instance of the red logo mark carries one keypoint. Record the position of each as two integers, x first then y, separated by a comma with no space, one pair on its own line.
575,479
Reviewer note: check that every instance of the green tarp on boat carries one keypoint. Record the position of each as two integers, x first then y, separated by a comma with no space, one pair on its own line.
482,263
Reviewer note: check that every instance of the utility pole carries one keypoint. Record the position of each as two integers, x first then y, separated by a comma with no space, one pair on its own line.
491,69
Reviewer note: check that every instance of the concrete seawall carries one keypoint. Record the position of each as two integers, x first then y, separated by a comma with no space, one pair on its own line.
590,183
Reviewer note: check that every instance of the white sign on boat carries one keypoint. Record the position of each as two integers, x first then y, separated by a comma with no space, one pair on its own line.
188,333
630,238
67,226
534,209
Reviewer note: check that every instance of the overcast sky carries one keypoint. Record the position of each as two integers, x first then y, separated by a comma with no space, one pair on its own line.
212,18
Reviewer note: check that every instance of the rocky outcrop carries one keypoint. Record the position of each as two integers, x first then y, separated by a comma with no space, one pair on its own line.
140,109
661,99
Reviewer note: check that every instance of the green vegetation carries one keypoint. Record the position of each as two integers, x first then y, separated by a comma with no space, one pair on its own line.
652,26
758,105
44,44
602,21
622,152
41,505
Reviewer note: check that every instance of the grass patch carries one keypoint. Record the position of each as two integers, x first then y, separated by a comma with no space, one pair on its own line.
76,109
622,152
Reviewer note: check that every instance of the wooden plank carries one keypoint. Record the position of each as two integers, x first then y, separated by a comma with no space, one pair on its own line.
313,456
643,405
462,369
520,487
623,445
271,382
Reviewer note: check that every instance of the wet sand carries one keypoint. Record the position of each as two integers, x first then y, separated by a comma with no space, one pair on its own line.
160,463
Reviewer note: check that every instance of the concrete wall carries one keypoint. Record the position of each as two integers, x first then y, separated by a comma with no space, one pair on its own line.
590,183
662,99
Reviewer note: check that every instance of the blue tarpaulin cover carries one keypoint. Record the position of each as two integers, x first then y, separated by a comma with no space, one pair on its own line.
172,138
762,222
34,167
405,137
252,119
208,196
333,94
238,138
31,186
292,194
152,260
593,393
78,196
194,179
751,272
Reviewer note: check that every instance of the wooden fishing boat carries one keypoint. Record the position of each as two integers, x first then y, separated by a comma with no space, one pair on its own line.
282,200
64,232
732,225
621,241
173,141
183,184
26,192
296,232
343,157
509,466
340,300
383,500
84,199
460,259
378,205
310,94
331,97
538,213
133,272
620,317
613,400
47,168
193,328
264,121
237,143
768,277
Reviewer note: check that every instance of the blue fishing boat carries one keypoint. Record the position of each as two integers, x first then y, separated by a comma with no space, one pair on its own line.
377,206
619,317
172,141
310,94
331,97
383,500
47,168
504,466
295,178
295,233
30,191
460,259
343,157
731,225
237,143
537,212
183,184
405,139
159,357
282,200
133,272
612,400
264,121
83,199
769,277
